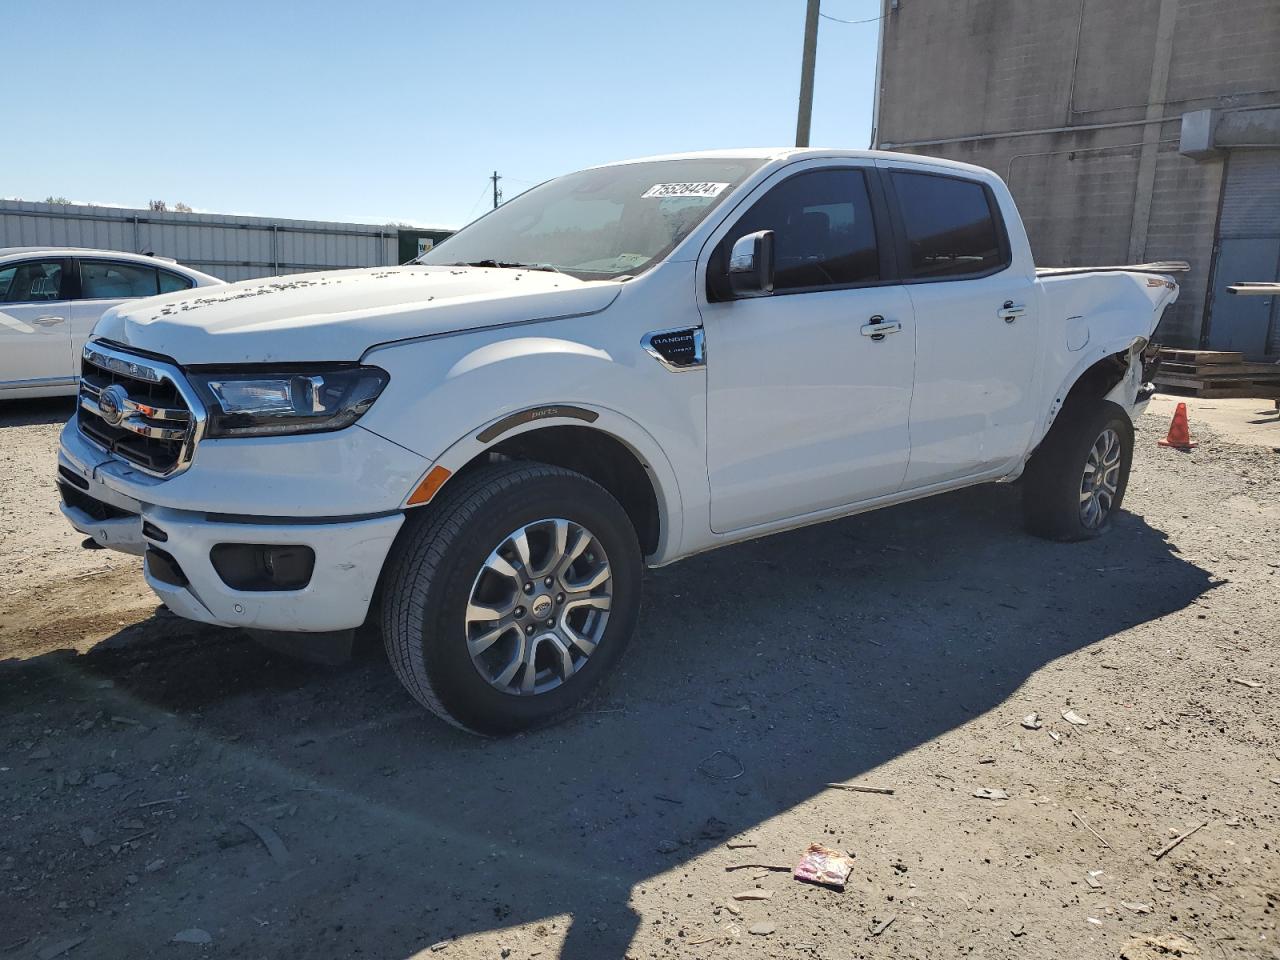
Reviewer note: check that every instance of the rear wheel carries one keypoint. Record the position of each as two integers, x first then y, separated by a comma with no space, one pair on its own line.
509,599
1075,482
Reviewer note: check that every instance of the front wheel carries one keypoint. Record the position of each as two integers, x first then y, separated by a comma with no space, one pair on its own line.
1075,482
511,597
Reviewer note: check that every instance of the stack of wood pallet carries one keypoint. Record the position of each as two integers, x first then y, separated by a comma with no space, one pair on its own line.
1217,373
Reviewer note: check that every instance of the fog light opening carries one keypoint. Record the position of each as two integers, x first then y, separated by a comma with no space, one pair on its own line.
260,567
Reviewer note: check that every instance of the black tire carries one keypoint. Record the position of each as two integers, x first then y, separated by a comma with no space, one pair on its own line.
1051,488
434,563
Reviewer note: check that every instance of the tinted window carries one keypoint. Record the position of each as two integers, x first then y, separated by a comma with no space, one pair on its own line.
31,282
169,282
824,235
106,280
951,228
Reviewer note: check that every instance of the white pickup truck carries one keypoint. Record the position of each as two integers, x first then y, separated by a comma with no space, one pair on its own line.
478,452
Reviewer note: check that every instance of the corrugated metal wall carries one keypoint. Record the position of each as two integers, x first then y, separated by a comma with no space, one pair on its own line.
1251,198
1250,219
227,246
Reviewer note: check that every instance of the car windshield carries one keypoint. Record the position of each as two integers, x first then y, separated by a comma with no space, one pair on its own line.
598,224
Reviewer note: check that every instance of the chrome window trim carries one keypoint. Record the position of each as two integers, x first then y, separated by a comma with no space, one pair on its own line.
153,371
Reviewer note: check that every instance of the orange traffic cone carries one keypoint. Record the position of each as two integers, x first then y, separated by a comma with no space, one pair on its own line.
1179,433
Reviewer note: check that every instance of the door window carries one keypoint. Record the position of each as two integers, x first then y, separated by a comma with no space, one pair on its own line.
824,233
172,282
31,282
952,228
110,280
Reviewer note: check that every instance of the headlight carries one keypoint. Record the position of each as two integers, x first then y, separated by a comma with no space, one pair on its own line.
245,404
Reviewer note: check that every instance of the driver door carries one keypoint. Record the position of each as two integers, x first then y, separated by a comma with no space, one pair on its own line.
807,410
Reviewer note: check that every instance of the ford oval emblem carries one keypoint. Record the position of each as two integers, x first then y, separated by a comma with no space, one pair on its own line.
111,403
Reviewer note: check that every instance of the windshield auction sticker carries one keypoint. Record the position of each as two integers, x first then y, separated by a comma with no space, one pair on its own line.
704,189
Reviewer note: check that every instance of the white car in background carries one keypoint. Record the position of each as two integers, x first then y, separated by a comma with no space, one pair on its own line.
50,299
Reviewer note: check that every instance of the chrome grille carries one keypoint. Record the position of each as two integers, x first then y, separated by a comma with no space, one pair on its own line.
138,408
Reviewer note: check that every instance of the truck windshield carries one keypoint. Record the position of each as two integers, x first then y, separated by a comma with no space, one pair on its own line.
598,224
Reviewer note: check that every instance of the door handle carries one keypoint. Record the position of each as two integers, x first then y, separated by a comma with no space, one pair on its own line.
877,328
1011,311
48,321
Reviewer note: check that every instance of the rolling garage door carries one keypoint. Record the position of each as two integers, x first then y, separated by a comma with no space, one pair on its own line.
1248,248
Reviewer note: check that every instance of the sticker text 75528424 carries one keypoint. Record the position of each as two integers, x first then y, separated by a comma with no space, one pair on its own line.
704,189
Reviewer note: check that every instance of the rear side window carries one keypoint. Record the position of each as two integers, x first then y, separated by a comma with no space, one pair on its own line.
31,282
952,228
824,234
108,280
171,282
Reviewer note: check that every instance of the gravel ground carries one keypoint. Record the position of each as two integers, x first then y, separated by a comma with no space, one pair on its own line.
162,780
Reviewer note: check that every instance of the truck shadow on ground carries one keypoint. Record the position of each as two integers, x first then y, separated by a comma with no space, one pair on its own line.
30,413
791,661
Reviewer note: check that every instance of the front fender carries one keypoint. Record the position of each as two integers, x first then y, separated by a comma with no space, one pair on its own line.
450,399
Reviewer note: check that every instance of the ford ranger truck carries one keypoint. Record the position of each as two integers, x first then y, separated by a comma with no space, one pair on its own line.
477,453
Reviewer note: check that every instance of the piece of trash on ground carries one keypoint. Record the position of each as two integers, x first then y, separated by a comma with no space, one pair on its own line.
1032,721
193,935
1074,718
1177,840
753,895
824,866
1251,684
987,793
860,788
762,929
883,925
721,765
271,840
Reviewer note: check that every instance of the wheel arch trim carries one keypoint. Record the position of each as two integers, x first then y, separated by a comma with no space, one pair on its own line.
604,420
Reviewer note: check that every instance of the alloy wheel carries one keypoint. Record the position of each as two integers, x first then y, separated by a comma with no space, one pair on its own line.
539,606
1101,479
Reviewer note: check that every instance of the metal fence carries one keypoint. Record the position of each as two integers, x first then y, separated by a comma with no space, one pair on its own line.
225,245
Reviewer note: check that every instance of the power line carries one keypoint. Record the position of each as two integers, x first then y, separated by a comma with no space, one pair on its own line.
827,16
484,192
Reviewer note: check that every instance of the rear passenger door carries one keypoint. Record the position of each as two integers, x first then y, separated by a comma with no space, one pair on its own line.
976,335
108,283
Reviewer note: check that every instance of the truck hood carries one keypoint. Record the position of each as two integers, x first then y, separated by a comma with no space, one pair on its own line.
338,315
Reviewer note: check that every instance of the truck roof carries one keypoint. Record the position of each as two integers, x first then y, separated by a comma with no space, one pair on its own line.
803,153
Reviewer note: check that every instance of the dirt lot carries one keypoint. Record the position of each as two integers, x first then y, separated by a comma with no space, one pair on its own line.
160,778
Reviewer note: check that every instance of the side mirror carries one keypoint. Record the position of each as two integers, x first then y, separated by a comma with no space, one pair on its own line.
751,265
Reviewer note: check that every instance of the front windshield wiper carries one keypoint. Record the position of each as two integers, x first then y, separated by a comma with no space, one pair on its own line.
507,265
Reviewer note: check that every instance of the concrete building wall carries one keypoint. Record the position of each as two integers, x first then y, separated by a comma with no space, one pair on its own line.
1079,104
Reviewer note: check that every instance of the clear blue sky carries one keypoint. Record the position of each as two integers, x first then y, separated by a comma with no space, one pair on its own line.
384,110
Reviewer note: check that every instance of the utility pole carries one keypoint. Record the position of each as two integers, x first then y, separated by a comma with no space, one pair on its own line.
497,194
806,73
